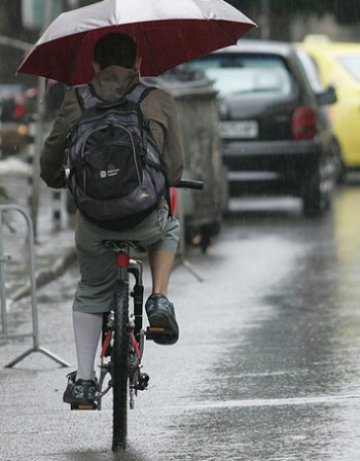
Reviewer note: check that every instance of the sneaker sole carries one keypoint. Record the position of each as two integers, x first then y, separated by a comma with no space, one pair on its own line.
77,402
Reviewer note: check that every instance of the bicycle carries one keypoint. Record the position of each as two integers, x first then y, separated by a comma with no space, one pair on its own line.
123,339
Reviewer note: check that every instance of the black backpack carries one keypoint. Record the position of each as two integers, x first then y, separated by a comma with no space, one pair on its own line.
116,175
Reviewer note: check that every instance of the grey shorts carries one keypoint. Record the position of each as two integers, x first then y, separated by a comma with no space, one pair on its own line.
94,292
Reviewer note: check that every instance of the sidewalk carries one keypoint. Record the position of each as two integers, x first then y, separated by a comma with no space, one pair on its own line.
22,388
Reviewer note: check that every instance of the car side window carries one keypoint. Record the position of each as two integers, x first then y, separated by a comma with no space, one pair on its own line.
312,71
351,64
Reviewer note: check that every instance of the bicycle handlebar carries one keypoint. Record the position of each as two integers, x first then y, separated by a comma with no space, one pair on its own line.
190,184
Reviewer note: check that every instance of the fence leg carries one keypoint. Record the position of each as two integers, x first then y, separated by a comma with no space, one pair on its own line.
35,333
37,349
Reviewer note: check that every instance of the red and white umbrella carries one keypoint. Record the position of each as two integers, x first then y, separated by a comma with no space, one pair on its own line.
167,32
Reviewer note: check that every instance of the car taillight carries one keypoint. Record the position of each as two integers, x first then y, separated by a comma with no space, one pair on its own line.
19,111
304,124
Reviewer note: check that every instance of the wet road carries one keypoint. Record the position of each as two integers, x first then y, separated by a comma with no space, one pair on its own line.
267,367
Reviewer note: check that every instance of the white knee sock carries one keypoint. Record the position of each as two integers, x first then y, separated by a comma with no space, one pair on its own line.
87,330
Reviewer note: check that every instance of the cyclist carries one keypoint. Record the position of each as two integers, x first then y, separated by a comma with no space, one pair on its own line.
116,64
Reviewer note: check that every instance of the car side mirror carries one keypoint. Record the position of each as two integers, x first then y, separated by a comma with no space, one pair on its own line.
328,96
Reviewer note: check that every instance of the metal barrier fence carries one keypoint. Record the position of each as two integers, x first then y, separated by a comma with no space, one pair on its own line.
5,334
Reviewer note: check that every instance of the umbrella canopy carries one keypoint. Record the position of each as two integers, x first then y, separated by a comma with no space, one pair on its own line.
167,32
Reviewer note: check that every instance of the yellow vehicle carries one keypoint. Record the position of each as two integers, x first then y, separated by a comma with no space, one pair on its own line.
338,64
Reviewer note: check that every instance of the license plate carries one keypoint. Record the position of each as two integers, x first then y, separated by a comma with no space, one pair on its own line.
246,129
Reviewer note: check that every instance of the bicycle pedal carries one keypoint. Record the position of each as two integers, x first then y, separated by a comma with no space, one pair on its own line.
153,332
83,406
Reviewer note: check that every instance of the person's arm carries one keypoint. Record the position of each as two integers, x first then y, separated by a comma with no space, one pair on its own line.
52,157
160,109
173,147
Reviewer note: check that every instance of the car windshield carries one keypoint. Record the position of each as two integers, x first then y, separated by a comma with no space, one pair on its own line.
352,64
245,74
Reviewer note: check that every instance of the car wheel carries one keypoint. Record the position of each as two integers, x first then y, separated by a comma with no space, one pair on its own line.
339,164
319,188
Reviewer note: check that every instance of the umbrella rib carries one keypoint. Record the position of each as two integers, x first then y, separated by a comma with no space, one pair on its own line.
147,45
224,31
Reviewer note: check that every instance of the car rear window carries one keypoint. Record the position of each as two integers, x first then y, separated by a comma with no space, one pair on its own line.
10,91
246,74
351,64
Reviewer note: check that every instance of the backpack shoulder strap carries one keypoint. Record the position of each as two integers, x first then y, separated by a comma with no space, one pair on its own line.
139,92
86,97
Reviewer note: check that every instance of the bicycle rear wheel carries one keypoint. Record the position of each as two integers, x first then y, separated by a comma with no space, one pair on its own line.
120,366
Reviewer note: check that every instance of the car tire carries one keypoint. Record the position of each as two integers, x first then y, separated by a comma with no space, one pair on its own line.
319,189
339,164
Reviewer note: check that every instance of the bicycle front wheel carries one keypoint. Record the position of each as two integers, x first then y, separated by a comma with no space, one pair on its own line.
120,366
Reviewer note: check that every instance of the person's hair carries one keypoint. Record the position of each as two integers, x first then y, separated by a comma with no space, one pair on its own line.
115,49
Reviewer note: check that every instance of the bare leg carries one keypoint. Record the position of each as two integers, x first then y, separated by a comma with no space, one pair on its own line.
161,263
